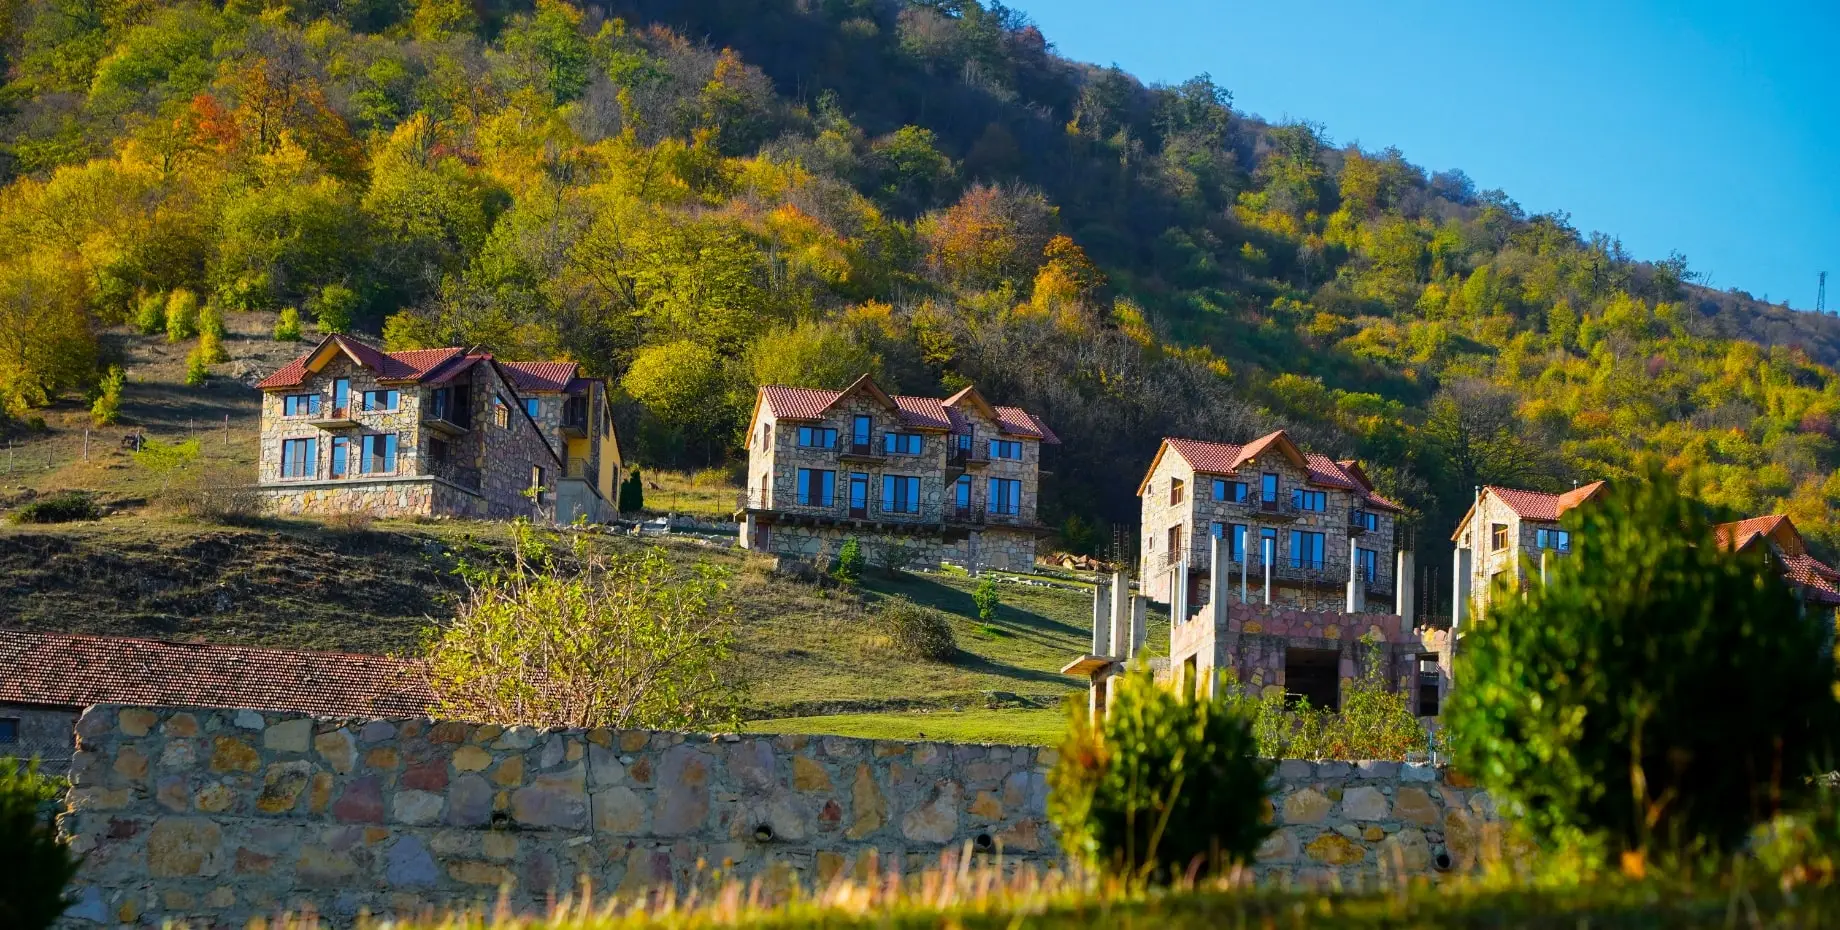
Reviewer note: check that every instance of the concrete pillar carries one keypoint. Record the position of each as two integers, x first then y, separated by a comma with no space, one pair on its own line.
1404,582
1121,598
1357,585
1245,559
1545,562
1267,550
1140,627
1102,621
1120,624
1217,584
1459,588
1178,598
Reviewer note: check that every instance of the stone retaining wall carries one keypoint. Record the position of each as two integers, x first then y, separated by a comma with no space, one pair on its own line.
217,816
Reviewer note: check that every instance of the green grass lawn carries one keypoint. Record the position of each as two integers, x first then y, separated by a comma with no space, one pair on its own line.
1038,726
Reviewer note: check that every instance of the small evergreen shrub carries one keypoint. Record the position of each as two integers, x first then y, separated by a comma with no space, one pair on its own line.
917,632
211,346
181,315
150,314
63,507
38,865
850,562
106,408
1658,693
1160,784
987,598
211,320
335,308
197,365
287,325
632,492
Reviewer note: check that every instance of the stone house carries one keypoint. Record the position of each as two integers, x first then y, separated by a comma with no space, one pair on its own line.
1508,537
348,428
914,479
1815,583
51,677
1307,522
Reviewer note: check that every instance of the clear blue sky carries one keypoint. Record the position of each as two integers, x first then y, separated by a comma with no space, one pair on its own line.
1711,128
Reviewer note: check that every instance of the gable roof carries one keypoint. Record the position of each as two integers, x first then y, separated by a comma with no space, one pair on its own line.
1539,505
544,377
77,671
924,413
420,366
1741,534
1224,458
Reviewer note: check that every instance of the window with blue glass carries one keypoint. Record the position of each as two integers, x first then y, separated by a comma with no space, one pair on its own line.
901,443
1232,492
859,493
341,454
382,400
1006,449
817,487
1268,546
961,492
1234,535
900,494
1312,501
1368,562
1556,540
817,437
1306,549
9,729
1268,488
1365,519
341,395
862,430
532,406
300,405
1005,496
299,458
377,454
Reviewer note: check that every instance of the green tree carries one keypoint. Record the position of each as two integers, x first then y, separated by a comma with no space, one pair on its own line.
685,386
287,325
1587,702
987,598
632,492
1159,784
106,408
38,864
334,308
150,314
551,52
817,354
627,640
181,315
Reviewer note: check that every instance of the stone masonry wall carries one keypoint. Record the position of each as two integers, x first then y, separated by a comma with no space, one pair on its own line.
218,816
991,548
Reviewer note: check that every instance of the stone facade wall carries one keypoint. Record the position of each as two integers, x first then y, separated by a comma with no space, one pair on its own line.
508,453
217,816
382,497
44,734
990,548
1199,510
405,421
1517,565
1253,642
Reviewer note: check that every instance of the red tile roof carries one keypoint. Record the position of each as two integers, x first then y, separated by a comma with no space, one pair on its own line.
1740,534
1538,505
542,376
76,671
1816,578
1820,582
796,403
1225,458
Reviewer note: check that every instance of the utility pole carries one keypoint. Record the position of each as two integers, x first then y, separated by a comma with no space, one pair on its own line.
1820,295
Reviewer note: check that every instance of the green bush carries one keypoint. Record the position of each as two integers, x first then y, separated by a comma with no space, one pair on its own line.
63,507
197,365
106,408
181,315
1159,783
1658,693
917,632
987,598
850,561
150,314
211,347
36,864
632,493
1373,722
335,308
211,321
287,325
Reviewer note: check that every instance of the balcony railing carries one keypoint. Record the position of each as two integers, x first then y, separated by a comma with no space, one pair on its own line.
1328,571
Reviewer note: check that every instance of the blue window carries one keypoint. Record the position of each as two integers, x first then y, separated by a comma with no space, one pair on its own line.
817,437
382,400
1368,562
378,454
1268,546
961,492
901,443
1268,488
341,454
861,431
1235,536
1556,540
1006,449
1365,520
341,395
1306,549
300,405
1232,492
859,493
532,406
817,487
9,730
1005,496
900,494
1313,501
299,458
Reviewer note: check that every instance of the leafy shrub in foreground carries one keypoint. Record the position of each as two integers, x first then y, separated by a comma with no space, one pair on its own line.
850,561
1373,723
917,631
63,507
36,865
1160,783
1659,692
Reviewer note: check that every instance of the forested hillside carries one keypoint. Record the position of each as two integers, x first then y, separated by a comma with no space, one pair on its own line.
695,198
